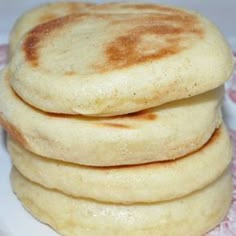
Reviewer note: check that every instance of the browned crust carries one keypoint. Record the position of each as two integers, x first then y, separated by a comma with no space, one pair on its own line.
12,130
138,6
121,121
115,125
35,36
124,51
146,115
47,17
74,7
69,8
173,29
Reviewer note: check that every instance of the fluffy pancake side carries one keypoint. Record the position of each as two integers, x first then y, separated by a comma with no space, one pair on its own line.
118,63
75,216
129,184
163,133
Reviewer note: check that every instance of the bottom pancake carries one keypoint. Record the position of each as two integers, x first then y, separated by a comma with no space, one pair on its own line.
192,215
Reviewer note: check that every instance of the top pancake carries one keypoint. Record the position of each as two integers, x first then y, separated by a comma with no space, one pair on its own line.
112,61
41,15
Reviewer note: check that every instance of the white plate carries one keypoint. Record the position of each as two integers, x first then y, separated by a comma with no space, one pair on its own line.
14,220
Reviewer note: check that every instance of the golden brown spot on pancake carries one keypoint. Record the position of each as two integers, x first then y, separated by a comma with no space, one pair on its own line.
32,41
213,138
198,32
103,6
115,125
74,7
62,9
69,73
114,7
124,50
141,115
29,48
148,37
59,115
152,7
47,17
12,130
152,38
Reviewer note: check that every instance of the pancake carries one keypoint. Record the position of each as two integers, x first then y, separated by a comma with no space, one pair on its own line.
129,184
41,15
163,133
46,12
111,63
192,215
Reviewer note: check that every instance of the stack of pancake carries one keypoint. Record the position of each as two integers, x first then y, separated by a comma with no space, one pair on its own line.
114,119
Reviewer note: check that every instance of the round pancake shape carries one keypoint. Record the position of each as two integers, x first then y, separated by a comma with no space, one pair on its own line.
129,184
39,15
108,64
192,215
50,11
163,133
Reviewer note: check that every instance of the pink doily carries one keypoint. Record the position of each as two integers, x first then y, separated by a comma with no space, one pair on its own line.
232,89
228,225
